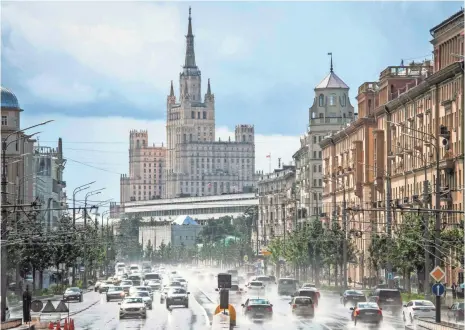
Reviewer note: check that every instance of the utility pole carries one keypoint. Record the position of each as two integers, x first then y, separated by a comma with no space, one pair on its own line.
344,242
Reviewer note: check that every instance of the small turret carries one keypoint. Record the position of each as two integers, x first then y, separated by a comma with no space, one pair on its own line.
209,97
171,99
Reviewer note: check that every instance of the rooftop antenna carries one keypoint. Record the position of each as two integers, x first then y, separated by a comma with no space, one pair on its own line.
279,162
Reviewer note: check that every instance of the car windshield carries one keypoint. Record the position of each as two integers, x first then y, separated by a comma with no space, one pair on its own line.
307,293
126,283
134,300
178,291
303,301
182,280
286,282
460,305
367,305
73,290
142,294
258,302
115,288
175,284
423,303
263,278
142,288
256,284
354,292
152,276
309,285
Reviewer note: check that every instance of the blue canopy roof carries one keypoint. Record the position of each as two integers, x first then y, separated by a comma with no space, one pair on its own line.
184,220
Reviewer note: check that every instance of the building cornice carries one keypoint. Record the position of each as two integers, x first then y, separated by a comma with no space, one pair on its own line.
449,72
300,151
342,134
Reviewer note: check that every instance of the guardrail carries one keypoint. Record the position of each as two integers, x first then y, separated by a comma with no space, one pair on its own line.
430,324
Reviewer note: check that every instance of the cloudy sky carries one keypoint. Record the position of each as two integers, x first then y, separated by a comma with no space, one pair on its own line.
100,69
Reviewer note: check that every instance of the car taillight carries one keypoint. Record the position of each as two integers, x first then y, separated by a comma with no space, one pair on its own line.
249,308
380,312
269,309
294,306
357,312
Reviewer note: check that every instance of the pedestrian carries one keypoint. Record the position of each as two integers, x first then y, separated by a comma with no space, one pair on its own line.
454,290
27,300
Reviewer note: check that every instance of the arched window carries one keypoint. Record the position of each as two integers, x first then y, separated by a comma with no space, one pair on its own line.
137,144
321,100
343,100
332,100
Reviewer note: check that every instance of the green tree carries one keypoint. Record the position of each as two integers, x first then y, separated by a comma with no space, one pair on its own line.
127,242
149,252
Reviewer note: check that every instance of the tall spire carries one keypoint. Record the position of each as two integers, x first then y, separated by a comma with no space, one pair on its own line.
331,68
209,91
190,54
172,89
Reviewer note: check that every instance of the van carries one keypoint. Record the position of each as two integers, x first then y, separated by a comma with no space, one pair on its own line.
387,299
287,286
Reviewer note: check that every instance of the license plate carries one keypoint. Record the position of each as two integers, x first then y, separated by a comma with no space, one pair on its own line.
258,315
389,300
369,313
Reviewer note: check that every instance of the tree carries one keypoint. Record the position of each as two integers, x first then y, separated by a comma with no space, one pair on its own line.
149,252
127,242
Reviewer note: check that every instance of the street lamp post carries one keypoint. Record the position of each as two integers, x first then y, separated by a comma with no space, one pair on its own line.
90,193
4,227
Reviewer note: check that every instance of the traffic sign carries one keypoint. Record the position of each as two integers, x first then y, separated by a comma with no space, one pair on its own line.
438,289
246,258
389,276
36,306
61,308
437,274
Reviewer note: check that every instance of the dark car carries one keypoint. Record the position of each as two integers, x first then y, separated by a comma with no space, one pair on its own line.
387,299
367,312
257,309
455,312
352,297
308,292
177,297
73,294
302,306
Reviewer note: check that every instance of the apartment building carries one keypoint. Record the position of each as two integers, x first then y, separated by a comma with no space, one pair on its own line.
388,155
278,202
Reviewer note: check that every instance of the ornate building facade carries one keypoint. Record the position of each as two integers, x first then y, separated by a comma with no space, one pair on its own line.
197,164
385,162
331,111
146,170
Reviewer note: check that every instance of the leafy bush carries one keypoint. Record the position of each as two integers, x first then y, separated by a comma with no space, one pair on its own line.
56,289
79,284
412,296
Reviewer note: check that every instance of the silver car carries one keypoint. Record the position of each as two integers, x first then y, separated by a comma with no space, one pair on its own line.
146,298
115,293
132,307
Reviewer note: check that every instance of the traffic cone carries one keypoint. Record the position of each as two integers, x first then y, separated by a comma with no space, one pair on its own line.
71,324
58,325
65,327
51,325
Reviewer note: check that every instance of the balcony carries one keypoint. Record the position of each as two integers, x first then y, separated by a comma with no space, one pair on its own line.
447,165
414,71
368,87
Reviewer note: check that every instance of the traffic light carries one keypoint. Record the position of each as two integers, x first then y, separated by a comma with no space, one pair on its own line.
445,134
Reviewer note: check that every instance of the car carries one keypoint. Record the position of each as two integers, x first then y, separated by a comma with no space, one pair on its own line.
308,285
182,281
266,280
146,297
73,293
135,289
126,285
155,285
235,293
132,307
104,287
115,292
286,286
387,299
455,312
164,293
175,283
366,312
255,287
302,306
418,308
257,309
176,297
352,297
97,285
308,292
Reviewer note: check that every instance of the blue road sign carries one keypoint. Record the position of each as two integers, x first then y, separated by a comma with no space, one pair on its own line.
389,276
438,289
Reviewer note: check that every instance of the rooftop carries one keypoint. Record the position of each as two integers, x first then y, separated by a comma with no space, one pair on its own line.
332,81
8,99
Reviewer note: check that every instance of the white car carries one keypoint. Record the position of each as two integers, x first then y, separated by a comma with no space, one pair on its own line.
418,308
115,292
154,284
182,281
132,307
255,287
146,297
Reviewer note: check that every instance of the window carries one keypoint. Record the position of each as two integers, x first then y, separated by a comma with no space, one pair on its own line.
314,139
332,100
343,100
204,115
321,100
198,115
4,120
193,114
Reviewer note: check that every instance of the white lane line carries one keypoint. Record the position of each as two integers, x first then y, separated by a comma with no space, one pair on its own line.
205,315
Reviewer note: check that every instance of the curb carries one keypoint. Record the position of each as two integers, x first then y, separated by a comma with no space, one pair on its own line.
206,295
205,314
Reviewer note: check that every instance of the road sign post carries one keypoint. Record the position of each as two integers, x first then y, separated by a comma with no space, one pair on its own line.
438,274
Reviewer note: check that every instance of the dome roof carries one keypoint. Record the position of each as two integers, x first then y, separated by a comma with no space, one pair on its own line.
9,100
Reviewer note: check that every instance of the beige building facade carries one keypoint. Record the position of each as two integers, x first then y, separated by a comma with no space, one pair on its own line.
331,111
197,164
407,115
277,205
146,170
